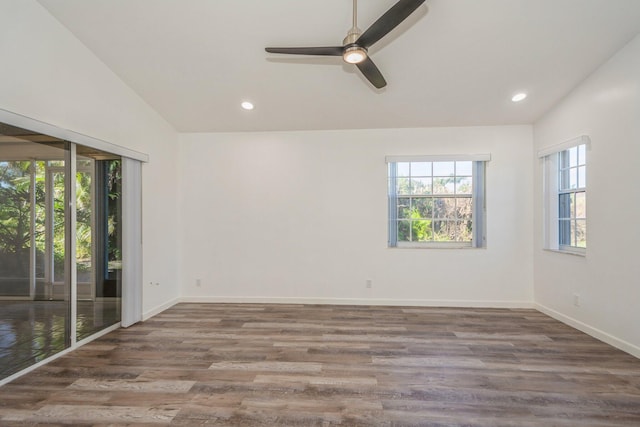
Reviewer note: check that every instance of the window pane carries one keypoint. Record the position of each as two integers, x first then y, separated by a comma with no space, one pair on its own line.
464,168
464,208
420,168
441,231
581,233
582,155
444,208
84,164
443,168
422,208
463,231
564,232
464,185
565,205
573,178
421,230
404,208
573,234
573,156
582,177
403,186
420,185
563,181
563,159
402,168
404,231
581,205
443,185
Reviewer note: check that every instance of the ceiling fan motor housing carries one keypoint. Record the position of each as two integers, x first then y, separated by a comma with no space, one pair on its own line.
352,36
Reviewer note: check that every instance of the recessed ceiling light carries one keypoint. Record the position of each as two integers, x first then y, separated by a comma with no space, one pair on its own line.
247,105
519,97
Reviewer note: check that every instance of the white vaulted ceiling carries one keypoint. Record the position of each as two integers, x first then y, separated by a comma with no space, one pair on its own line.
452,63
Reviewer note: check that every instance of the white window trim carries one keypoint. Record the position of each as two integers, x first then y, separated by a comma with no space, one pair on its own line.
439,158
549,159
574,142
479,239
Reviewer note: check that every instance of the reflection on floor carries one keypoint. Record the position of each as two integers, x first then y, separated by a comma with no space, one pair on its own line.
31,331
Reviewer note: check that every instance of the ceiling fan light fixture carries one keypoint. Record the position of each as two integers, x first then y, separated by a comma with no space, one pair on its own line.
354,55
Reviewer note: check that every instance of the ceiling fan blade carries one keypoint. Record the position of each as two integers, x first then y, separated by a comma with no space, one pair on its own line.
387,22
324,51
371,72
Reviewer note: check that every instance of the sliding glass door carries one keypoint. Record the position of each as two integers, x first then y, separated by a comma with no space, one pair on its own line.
60,245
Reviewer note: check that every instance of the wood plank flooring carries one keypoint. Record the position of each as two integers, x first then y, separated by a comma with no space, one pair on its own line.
308,365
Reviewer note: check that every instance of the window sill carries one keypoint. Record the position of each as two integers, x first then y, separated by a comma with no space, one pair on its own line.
574,252
434,246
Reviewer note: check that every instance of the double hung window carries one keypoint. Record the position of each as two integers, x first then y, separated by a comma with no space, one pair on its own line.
436,201
565,202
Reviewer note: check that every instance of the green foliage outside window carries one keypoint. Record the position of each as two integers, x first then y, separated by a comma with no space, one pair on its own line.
15,218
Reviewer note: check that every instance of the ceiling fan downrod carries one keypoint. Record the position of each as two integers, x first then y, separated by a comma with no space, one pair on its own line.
354,31
353,54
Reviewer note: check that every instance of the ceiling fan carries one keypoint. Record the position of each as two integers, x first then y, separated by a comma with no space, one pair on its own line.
355,46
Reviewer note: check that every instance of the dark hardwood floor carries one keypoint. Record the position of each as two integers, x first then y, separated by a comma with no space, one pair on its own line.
241,364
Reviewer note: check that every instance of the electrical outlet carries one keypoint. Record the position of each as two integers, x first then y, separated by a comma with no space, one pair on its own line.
369,283
198,282
576,300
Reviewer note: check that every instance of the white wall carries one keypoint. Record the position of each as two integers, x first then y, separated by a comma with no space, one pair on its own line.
302,216
606,107
48,75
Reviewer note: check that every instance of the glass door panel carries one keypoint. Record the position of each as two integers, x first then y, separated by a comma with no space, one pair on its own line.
15,230
98,248
33,326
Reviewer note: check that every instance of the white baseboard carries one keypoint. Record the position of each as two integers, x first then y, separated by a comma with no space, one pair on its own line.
590,330
360,301
159,309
